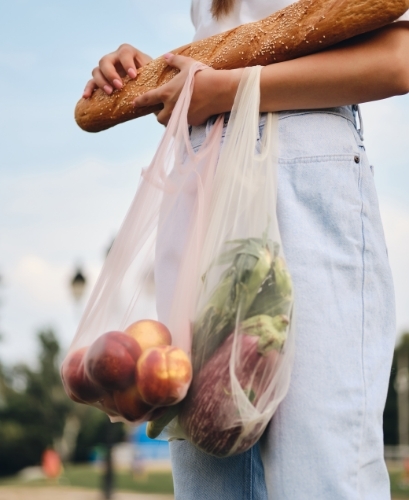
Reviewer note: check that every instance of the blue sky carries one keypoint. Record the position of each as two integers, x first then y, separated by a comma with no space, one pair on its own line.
64,192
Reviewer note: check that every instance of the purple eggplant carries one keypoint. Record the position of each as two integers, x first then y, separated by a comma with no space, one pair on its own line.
209,416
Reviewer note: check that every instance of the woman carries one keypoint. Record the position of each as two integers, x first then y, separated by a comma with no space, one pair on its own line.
325,441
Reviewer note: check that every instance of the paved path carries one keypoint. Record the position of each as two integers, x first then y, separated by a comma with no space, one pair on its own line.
66,493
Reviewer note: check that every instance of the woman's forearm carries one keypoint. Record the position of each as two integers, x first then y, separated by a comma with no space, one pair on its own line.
369,68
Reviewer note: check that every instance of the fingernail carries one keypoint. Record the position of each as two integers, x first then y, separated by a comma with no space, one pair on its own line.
168,55
132,73
108,89
117,83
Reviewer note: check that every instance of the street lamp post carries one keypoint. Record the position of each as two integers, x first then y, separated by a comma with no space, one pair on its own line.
108,478
78,284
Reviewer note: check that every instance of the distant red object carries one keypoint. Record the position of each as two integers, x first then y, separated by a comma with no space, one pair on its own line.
51,464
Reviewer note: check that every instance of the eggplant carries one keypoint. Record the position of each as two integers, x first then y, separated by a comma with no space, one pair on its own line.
209,416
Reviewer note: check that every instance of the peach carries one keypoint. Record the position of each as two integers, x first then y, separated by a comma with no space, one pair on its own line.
77,384
149,333
110,361
130,404
164,374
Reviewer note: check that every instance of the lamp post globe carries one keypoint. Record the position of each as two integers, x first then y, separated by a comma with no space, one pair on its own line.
78,284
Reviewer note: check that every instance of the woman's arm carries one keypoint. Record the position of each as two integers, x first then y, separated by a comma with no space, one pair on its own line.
368,68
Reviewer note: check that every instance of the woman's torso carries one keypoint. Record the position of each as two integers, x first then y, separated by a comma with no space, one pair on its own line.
244,11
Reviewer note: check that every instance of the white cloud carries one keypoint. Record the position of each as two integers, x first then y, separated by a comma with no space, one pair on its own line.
50,223
40,280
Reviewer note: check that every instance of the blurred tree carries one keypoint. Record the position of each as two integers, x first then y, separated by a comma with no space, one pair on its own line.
395,426
94,430
34,411
390,414
1,303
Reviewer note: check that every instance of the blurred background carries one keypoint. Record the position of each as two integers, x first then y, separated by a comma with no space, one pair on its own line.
63,196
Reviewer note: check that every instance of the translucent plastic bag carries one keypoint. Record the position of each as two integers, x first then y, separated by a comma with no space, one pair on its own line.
222,287
242,343
122,360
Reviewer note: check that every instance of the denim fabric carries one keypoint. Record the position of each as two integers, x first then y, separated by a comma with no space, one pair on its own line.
199,476
325,441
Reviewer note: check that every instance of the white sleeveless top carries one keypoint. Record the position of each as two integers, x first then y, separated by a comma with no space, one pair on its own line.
244,11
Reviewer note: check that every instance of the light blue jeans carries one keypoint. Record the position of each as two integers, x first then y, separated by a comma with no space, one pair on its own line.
325,441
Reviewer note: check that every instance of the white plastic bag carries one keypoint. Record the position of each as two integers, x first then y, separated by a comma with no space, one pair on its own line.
122,360
224,295
242,345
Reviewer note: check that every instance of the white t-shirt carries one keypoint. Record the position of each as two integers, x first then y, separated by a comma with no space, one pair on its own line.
244,11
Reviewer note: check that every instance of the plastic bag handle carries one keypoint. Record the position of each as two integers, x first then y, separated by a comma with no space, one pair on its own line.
176,133
247,105
178,124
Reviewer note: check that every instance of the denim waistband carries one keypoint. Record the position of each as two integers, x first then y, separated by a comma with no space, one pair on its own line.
350,113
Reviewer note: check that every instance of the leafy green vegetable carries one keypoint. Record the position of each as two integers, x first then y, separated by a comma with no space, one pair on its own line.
271,332
254,294
250,263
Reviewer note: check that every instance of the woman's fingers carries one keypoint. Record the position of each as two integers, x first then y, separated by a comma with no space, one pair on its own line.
177,61
164,115
108,70
141,58
125,61
162,95
168,94
128,59
150,98
89,89
101,81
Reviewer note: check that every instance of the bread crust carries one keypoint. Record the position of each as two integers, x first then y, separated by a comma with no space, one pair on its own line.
302,28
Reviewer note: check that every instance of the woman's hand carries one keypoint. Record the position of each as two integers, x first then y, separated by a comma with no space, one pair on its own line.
213,93
114,66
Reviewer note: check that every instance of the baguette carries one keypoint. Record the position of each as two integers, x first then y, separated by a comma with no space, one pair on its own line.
302,28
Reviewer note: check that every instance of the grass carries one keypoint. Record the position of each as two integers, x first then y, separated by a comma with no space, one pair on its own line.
87,476
399,484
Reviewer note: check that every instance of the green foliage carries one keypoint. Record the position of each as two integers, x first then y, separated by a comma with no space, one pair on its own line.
390,415
403,346
34,409
96,430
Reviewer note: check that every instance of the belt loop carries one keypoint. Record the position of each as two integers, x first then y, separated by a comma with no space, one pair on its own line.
357,109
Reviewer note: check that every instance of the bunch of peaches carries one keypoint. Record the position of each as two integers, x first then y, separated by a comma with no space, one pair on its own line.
134,374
